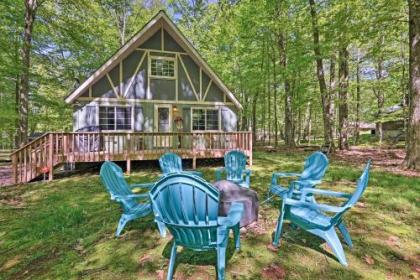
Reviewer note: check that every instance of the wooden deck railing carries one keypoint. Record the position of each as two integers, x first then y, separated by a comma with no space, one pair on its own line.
52,149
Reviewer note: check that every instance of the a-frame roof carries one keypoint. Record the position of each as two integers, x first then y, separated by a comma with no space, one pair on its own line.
161,19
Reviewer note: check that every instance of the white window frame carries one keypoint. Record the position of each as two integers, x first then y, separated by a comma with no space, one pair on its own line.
205,118
168,58
115,118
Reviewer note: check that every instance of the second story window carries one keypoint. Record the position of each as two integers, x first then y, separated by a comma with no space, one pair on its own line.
162,67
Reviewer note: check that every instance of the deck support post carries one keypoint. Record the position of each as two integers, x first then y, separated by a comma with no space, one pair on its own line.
50,157
128,166
194,159
128,152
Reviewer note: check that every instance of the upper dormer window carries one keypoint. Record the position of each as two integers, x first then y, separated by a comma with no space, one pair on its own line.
162,67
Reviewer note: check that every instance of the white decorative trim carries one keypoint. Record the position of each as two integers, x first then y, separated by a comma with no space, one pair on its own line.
140,101
207,90
161,51
201,84
112,85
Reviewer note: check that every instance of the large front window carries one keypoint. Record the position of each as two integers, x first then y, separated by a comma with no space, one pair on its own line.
114,118
162,67
205,119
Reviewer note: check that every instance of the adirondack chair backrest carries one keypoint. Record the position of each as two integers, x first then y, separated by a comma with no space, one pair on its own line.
170,163
235,163
188,206
360,188
315,167
113,179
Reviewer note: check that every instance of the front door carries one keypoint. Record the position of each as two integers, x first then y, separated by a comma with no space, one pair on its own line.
163,123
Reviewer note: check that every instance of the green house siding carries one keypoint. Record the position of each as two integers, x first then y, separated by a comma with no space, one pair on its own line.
191,87
154,42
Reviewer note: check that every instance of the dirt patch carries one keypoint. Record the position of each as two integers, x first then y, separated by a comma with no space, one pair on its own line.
273,271
391,160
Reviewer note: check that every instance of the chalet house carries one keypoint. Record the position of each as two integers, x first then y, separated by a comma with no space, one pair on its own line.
155,94
157,82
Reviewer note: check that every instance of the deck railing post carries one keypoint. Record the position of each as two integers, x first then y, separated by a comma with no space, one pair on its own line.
14,168
250,148
50,156
128,151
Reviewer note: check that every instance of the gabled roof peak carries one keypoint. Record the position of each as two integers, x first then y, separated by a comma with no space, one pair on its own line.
140,37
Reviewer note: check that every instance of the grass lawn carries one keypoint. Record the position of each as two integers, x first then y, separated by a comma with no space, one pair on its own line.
65,230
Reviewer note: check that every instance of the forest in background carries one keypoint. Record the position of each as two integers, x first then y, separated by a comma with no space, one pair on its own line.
301,68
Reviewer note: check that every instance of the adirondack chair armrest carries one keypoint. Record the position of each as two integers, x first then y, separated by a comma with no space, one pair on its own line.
314,206
300,184
142,185
247,173
138,196
219,172
323,192
277,175
234,215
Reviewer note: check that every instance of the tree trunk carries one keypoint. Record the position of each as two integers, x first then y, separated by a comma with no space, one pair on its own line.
30,11
413,131
380,100
289,131
254,117
357,128
276,125
307,131
325,97
343,110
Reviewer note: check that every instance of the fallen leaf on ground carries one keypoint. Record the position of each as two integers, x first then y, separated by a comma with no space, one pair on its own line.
393,241
272,248
145,259
361,204
415,268
369,260
160,275
273,271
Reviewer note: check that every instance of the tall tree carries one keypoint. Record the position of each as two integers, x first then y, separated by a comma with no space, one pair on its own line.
413,133
343,113
31,7
326,99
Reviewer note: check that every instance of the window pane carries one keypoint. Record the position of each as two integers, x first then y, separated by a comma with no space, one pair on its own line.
107,118
109,115
212,119
198,119
162,67
123,117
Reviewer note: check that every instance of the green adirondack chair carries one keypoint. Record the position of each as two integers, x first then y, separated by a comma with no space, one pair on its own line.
188,206
235,169
113,179
312,217
314,170
172,163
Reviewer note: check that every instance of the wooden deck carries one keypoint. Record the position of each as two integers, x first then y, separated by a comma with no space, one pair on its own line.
53,149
